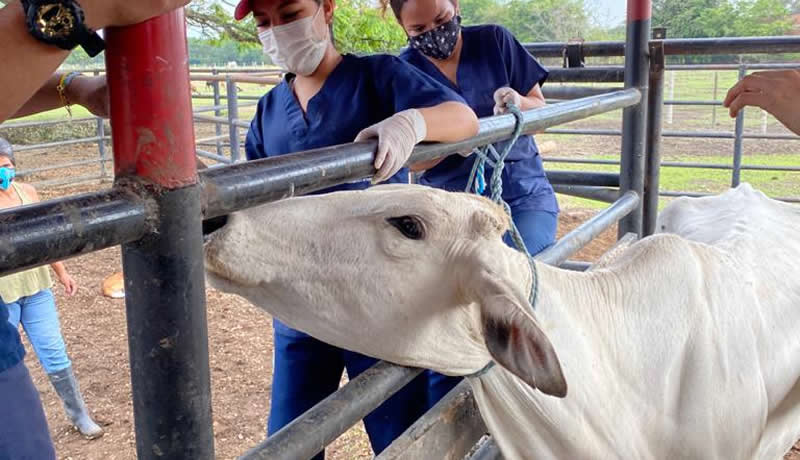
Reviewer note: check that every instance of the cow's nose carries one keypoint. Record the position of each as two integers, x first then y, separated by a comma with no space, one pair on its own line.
212,225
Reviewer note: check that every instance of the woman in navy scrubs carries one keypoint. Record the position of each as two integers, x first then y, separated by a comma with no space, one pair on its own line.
330,99
487,66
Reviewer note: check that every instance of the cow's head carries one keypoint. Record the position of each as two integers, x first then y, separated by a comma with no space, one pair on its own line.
404,273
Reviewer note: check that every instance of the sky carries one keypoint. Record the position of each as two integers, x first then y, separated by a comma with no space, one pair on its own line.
609,13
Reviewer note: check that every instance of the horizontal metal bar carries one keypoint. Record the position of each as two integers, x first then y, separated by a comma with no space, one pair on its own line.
446,432
213,156
575,92
50,145
54,230
237,79
676,164
212,139
69,180
248,184
607,74
606,195
679,46
28,172
583,235
683,134
762,66
488,450
33,124
701,103
223,96
320,425
209,108
580,178
576,265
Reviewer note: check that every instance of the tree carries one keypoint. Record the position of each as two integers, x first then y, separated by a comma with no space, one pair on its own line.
358,26
722,18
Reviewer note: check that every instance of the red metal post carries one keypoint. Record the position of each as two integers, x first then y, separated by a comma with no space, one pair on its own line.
634,119
151,120
151,105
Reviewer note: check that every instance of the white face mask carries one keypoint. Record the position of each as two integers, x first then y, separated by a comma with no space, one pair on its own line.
296,46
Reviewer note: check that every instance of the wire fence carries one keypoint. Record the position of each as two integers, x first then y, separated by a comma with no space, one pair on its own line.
78,150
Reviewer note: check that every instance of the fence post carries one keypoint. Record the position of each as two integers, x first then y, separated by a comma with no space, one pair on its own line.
233,116
655,104
714,98
217,112
101,143
634,119
738,138
763,122
164,272
671,107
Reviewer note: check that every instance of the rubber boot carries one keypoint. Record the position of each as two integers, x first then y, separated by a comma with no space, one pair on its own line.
68,390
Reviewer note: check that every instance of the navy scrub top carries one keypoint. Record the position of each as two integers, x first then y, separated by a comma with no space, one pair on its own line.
360,92
11,350
492,58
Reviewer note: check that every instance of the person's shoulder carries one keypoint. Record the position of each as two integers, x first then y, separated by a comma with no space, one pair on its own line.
29,191
273,97
488,33
376,61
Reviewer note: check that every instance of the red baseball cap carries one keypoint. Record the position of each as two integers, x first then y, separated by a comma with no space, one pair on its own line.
242,10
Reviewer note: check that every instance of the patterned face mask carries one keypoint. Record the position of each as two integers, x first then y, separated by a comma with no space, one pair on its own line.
439,42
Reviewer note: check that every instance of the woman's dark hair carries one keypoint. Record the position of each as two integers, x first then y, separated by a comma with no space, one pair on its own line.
7,151
396,6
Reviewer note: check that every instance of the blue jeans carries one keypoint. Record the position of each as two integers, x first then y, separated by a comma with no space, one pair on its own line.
23,432
307,370
538,231
39,318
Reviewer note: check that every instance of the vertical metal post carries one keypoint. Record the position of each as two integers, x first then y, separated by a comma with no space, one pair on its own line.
671,108
217,112
153,137
233,115
714,107
634,119
738,139
101,142
655,104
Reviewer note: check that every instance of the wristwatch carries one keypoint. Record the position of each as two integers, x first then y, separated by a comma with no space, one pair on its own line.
61,23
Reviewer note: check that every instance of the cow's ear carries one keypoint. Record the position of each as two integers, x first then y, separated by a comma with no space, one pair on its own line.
516,342
511,333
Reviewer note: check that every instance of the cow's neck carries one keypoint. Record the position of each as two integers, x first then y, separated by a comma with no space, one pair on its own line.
525,422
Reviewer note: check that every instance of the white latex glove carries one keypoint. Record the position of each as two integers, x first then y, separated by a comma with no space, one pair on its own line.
504,96
397,136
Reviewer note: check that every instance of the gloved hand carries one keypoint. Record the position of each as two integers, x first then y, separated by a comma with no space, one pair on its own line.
504,96
397,136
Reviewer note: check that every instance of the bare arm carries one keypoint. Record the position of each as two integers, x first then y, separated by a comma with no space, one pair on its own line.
89,92
449,122
28,64
533,100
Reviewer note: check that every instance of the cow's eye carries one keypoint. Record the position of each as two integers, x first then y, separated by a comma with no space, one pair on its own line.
410,226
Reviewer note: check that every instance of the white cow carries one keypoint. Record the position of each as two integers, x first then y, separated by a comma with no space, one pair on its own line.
676,349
